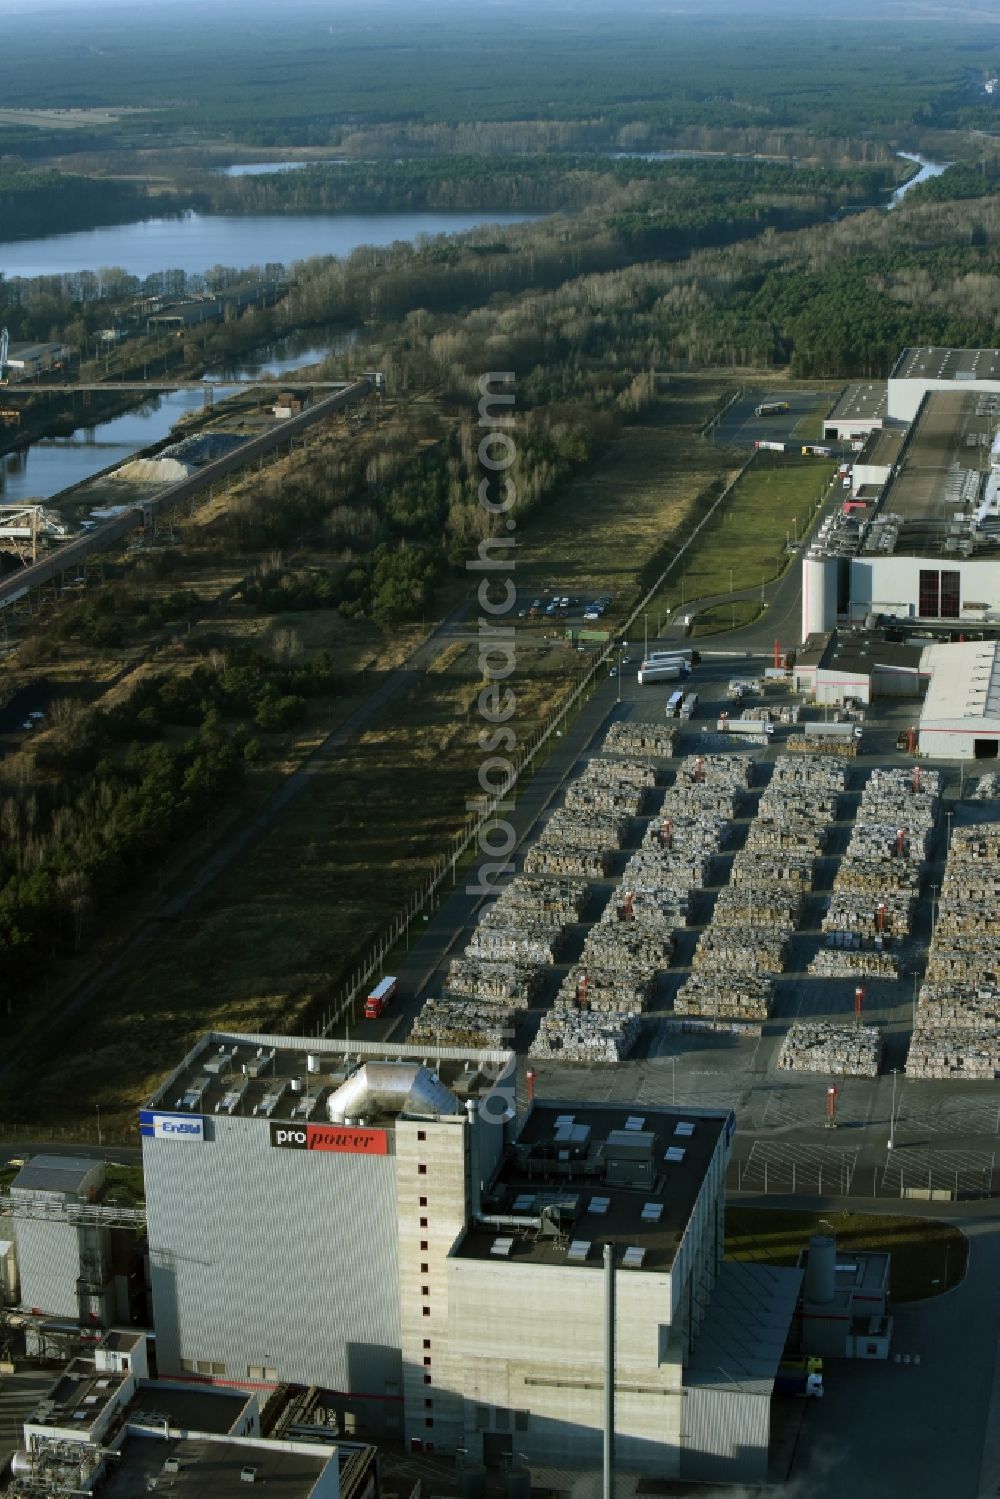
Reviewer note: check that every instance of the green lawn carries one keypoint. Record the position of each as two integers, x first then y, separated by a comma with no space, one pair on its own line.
726,617
745,542
928,1255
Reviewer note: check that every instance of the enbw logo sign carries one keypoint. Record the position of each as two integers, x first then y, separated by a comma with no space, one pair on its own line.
156,1126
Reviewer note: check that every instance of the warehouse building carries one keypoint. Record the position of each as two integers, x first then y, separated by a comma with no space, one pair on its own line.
925,544
860,666
859,411
960,717
376,1220
919,371
64,1261
27,360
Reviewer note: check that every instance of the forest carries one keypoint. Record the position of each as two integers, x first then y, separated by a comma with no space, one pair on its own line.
299,75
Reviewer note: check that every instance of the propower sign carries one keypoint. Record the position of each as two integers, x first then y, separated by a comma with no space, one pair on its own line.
337,1138
156,1126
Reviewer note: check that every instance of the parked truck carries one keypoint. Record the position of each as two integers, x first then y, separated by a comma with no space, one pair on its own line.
680,653
663,671
380,998
798,1382
772,408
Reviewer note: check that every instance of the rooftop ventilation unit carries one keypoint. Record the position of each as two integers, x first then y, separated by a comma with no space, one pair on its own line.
500,1248
248,1475
652,1212
523,1203
600,1205
635,1121
684,1127
675,1154
633,1258
172,1465
578,1251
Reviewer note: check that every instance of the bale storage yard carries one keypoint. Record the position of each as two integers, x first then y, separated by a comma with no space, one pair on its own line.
835,1050
747,943
875,888
957,1032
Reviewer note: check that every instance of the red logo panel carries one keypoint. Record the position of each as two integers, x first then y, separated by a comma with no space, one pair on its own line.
337,1138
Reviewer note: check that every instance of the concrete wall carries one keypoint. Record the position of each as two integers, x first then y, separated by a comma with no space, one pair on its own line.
833,686
432,1206
528,1345
891,585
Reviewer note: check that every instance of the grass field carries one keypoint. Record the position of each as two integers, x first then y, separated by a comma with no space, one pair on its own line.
726,617
744,544
928,1255
617,525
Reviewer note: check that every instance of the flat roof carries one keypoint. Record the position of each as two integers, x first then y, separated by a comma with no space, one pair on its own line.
928,507
292,1077
212,1469
947,364
54,1173
812,650
202,1408
883,447
865,401
565,1190
864,652
80,1395
965,681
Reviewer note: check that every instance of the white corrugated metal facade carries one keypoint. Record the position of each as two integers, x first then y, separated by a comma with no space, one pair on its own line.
267,1258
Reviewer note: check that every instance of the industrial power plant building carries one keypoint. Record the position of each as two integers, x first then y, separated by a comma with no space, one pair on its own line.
379,1221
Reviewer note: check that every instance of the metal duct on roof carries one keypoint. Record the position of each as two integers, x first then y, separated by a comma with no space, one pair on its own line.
391,1087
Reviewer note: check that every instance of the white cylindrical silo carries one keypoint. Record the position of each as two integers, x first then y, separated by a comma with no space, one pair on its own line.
813,595
821,1269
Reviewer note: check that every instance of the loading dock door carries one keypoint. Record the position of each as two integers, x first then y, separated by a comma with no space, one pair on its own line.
985,749
497,1445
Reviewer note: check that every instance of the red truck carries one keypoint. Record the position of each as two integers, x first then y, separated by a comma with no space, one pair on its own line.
379,999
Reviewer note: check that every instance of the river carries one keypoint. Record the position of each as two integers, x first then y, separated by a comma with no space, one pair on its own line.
927,169
54,463
194,242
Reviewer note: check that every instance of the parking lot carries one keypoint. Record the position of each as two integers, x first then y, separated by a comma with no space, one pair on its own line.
740,428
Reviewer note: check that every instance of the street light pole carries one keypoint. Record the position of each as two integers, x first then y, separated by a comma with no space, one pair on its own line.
619,678
892,1111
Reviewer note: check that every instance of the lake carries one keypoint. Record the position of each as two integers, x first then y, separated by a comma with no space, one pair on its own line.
193,242
265,168
54,463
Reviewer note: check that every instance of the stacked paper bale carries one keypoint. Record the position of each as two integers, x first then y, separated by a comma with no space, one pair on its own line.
840,963
835,1050
957,1031
458,1020
513,985
632,737
583,1036
833,749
